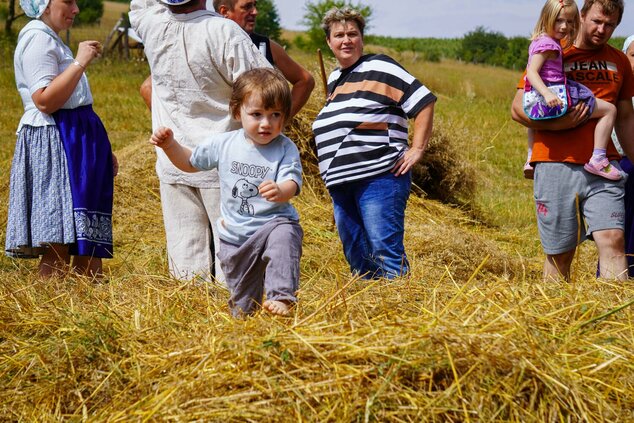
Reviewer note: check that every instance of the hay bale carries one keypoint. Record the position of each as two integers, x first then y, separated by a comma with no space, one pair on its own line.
444,173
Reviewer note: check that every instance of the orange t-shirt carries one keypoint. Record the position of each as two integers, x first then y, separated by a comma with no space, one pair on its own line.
608,74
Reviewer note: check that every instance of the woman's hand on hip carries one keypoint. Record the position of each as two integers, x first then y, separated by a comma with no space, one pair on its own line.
409,159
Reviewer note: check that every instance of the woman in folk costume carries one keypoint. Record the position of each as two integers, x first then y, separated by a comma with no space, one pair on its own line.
61,190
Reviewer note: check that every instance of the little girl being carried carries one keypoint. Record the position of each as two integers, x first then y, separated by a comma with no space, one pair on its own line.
559,21
260,171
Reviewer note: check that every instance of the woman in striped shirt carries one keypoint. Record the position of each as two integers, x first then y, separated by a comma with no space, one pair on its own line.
362,146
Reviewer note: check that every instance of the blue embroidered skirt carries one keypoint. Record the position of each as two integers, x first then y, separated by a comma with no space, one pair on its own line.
89,158
40,199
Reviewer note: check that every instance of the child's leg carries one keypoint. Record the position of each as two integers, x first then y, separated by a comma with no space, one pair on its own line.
54,261
530,140
529,171
243,271
606,114
599,164
282,253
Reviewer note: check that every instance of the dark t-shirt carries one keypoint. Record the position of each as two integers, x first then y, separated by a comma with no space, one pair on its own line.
264,45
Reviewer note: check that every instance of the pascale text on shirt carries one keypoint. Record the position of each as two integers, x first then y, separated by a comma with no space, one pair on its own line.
593,71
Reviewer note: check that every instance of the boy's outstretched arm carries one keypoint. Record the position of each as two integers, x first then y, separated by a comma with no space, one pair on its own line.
163,138
278,193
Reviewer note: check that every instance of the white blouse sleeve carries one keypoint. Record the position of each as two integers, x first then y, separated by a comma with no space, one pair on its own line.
40,61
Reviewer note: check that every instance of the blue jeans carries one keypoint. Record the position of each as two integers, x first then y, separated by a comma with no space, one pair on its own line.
370,218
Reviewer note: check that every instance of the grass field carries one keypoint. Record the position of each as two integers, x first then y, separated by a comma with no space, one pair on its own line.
473,335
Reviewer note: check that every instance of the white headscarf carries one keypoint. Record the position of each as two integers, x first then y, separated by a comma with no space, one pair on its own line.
33,8
627,43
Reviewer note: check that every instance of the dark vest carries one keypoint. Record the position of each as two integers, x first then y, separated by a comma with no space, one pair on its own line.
264,45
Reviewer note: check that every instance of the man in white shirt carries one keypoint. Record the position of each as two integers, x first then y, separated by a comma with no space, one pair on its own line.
194,56
244,12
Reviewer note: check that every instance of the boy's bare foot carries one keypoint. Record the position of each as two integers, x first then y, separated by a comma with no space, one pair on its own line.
280,308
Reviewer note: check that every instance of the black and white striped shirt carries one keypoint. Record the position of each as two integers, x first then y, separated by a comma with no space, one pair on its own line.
362,130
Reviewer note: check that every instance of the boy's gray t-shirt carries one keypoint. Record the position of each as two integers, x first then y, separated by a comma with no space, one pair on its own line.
242,167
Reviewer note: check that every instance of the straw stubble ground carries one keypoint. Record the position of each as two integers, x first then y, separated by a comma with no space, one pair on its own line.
472,335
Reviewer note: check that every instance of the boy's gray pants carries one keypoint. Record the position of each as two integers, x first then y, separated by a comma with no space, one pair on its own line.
268,262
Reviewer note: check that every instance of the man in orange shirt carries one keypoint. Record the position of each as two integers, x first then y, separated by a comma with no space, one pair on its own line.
564,193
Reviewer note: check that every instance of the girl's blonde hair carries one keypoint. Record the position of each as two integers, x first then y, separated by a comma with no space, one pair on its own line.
269,84
548,18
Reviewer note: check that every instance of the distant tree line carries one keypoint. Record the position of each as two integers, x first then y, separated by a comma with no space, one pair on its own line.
429,49
479,46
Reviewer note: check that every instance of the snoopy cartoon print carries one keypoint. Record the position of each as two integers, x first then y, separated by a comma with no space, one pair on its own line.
244,190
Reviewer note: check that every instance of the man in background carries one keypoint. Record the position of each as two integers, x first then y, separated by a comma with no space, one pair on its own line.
244,13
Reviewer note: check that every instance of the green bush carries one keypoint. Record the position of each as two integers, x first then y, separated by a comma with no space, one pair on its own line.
493,48
482,46
90,11
268,20
431,49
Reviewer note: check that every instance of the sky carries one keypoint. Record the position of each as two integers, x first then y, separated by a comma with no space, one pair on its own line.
446,18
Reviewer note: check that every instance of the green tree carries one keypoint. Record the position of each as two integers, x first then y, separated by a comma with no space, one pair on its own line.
268,20
90,11
482,46
10,14
315,11
517,53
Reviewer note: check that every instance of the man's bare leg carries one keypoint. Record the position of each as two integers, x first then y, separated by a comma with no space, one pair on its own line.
558,265
611,247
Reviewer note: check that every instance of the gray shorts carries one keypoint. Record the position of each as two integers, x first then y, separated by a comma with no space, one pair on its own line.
562,220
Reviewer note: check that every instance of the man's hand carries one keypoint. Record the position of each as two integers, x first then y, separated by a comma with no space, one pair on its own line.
578,114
